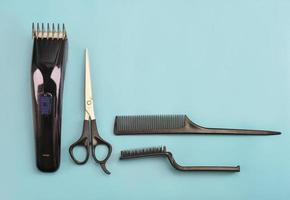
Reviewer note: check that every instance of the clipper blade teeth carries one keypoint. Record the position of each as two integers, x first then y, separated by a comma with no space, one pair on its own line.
149,122
142,152
48,33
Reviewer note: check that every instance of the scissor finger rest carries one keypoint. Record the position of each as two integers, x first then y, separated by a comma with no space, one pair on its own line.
98,141
103,161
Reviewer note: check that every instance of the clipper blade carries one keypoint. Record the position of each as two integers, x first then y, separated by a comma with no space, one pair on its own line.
50,31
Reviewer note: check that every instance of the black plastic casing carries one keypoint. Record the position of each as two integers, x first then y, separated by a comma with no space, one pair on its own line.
47,78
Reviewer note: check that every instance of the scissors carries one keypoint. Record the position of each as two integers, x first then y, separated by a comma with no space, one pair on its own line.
90,137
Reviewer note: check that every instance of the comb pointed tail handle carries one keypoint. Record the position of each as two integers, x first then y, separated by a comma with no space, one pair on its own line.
191,127
201,168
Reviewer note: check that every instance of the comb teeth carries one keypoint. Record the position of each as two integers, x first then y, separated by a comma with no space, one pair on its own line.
48,33
142,152
149,122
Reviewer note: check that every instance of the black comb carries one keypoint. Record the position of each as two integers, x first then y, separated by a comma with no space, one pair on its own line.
173,124
162,152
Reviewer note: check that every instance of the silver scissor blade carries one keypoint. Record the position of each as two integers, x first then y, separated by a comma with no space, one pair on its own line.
89,104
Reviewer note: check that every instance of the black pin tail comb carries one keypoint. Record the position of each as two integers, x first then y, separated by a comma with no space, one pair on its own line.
162,152
173,124
47,77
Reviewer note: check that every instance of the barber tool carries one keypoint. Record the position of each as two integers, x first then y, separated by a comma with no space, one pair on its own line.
172,124
90,137
47,78
162,152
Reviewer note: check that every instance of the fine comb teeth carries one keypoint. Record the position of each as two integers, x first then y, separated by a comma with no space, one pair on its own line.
149,122
173,124
126,154
49,31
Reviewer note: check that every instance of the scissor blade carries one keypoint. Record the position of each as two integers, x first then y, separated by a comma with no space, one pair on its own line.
89,104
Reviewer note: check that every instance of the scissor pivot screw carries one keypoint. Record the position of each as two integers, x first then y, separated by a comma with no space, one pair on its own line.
89,102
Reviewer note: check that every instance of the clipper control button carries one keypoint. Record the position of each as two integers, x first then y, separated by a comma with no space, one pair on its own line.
45,104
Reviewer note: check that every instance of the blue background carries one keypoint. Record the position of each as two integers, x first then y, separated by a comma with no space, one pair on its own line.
223,63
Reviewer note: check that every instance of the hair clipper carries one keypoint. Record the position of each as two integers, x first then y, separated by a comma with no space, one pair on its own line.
47,78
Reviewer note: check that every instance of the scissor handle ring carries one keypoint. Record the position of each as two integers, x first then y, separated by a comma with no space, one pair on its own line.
99,141
82,142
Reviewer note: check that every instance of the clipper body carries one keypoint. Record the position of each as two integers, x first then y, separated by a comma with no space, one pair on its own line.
47,78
